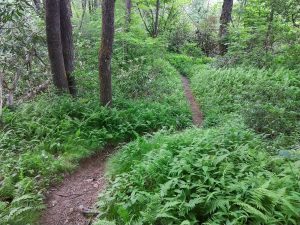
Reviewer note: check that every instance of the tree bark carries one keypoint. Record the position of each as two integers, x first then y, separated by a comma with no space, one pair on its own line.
1,96
128,14
83,2
105,54
224,21
53,31
33,92
37,4
67,43
90,5
96,4
150,32
156,22
269,35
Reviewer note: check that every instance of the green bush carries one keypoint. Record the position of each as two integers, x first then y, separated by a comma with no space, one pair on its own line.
155,80
187,65
191,49
48,136
179,36
41,140
266,99
215,176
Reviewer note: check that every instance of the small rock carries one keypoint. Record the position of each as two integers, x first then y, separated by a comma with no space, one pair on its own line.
89,180
53,203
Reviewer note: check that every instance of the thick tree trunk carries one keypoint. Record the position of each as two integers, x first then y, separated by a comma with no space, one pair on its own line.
67,43
53,31
128,13
156,22
105,54
224,21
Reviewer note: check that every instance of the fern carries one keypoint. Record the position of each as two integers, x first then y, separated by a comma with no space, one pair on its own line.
193,182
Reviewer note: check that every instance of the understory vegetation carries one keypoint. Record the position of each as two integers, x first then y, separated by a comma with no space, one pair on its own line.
242,166
222,175
43,139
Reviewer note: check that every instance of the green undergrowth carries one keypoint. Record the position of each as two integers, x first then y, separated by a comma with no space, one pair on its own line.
187,65
42,139
242,167
222,175
267,100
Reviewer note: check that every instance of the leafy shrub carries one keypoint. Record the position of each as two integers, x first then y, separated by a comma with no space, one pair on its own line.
248,43
214,176
23,54
42,139
179,36
191,49
130,46
145,80
270,120
266,99
187,65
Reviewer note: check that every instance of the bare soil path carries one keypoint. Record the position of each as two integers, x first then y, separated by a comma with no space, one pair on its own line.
67,202
195,108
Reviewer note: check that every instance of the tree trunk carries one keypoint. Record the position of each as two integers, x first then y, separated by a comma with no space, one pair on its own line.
269,35
37,4
1,96
83,2
128,14
53,31
67,43
224,21
156,22
10,99
96,4
105,54
90,4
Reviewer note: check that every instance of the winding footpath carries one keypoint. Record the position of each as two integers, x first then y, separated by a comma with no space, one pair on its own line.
72,201
195,108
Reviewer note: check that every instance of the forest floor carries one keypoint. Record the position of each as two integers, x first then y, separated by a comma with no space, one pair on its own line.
72,201
68,202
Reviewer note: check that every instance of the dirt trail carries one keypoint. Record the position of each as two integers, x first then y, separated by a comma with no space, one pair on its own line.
195,108
79,190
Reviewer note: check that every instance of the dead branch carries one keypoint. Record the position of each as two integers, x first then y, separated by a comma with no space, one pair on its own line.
34,92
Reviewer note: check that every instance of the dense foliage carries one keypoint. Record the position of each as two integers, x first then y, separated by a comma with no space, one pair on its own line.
268,100
42,139
219,175
265,34
222,175
241,167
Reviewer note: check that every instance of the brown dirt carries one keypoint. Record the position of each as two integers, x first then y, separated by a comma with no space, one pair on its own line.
65,202
195,108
